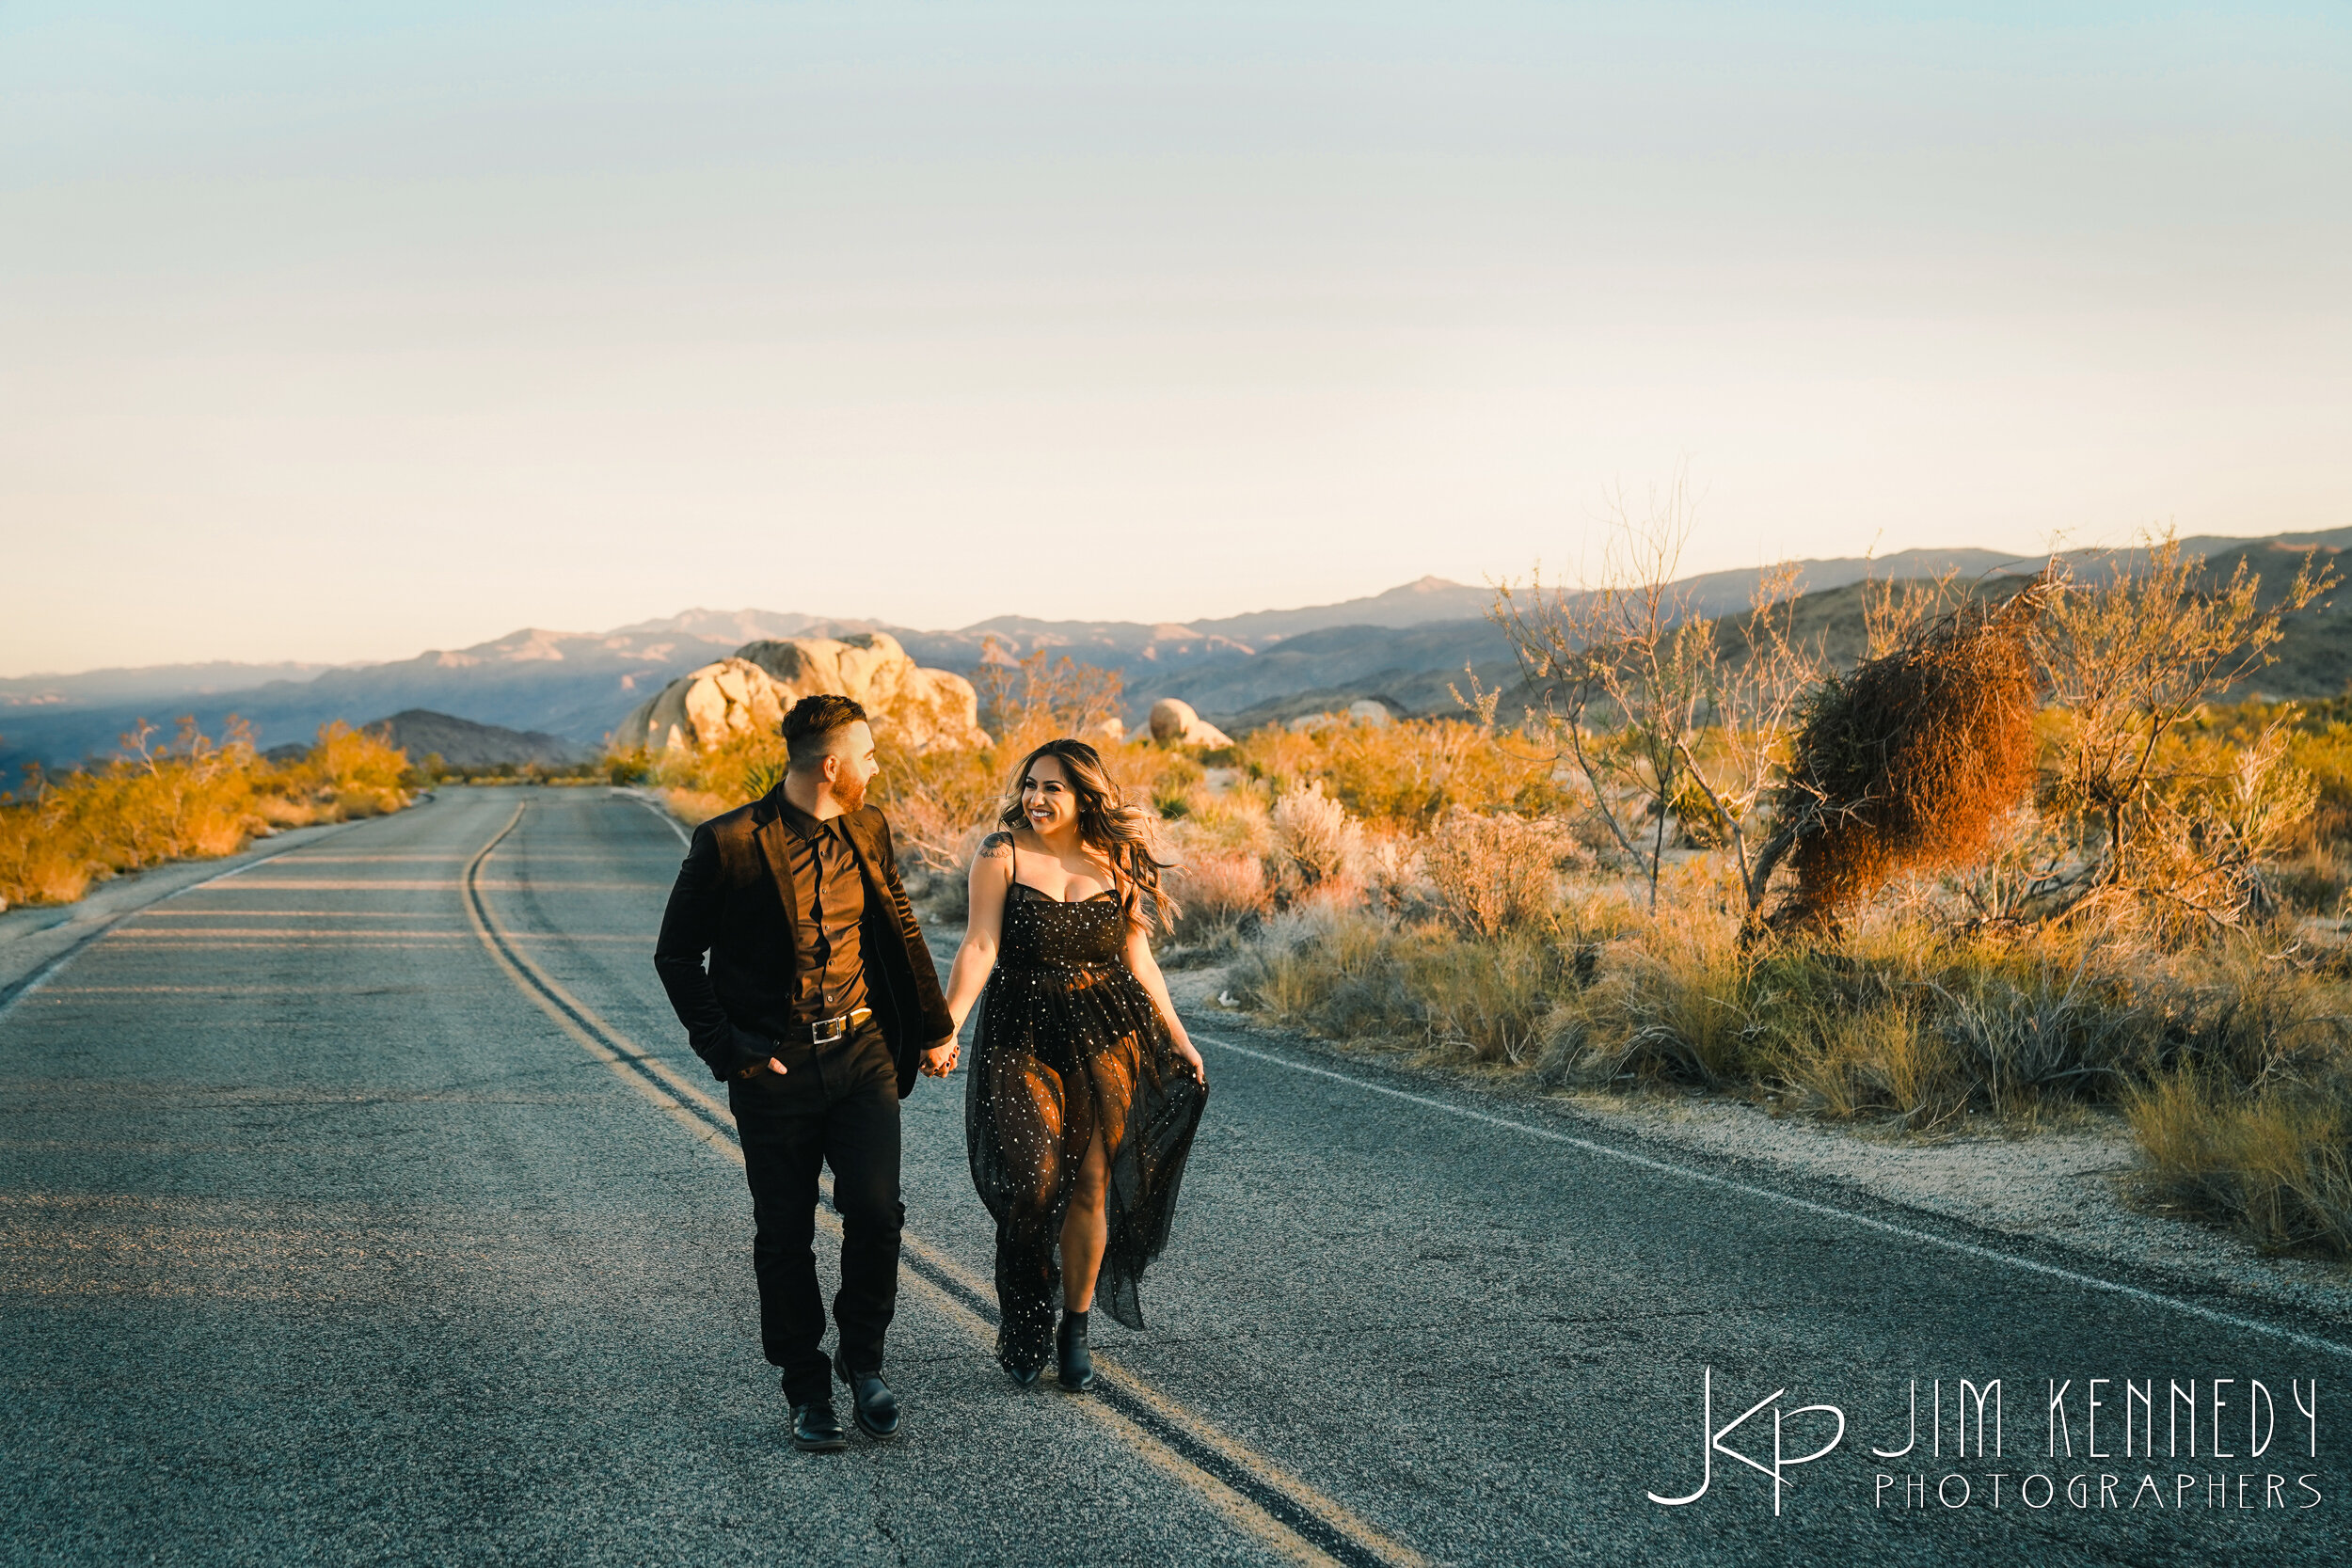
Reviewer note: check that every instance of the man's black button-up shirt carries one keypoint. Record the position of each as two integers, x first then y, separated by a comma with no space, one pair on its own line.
828,901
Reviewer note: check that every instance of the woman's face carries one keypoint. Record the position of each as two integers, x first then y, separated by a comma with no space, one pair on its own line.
1046,799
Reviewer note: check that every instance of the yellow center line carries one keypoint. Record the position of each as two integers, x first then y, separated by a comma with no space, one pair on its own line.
248,913
569,1012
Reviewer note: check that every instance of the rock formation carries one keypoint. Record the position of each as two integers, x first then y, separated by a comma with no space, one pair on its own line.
1175,724
751,689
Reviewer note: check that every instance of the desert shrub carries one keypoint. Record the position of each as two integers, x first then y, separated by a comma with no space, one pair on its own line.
194,798
350,772
1401,777
1315,969
1317,844
1235,821
1906,763
2014,1042
1175,785
1218,890
739,770
935,800
1490,875
1394,870
1673,1001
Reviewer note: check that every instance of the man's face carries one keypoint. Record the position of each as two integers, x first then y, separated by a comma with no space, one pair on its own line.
852,766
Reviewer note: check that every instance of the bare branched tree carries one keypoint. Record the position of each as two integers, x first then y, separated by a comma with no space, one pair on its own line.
1053,695
1663,713
2133,659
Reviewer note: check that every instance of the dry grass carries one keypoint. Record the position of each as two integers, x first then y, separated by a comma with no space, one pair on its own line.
2276,1164
194,799
1356,978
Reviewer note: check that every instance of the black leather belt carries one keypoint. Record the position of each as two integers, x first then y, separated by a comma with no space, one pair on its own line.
824,1031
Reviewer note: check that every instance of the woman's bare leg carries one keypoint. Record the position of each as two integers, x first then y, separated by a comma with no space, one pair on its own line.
1085,1231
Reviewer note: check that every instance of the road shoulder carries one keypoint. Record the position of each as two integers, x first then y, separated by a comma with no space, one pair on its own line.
2062,1188
36,939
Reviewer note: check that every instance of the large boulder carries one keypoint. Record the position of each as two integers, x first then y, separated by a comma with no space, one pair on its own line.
751,689
1175,724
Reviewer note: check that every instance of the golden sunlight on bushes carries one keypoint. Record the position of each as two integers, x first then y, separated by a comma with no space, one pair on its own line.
196,799
2127,901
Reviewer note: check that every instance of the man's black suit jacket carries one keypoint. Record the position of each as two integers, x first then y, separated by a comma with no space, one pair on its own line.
733,901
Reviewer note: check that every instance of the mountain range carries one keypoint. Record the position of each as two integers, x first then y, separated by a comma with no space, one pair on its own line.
1403,647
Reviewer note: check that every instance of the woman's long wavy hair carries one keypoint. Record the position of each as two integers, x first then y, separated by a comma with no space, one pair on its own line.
1108,823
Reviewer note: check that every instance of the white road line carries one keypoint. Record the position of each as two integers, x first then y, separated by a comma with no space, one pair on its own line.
663,812
41,976
2228,1319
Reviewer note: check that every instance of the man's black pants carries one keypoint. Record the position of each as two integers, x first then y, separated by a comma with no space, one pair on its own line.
837,1105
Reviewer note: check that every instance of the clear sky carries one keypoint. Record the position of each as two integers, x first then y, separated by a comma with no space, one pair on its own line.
341,331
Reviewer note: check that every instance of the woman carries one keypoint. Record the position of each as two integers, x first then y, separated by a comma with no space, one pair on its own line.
1083,1092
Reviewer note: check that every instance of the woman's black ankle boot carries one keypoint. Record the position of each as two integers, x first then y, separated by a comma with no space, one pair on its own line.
1072,1363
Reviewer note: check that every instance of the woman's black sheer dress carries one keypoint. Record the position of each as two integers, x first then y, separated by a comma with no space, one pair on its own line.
1069,1042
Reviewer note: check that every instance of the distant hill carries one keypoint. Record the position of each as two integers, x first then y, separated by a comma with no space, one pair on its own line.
576,685
1403,645
95,687
1410,672
1406,667
463,743
571,685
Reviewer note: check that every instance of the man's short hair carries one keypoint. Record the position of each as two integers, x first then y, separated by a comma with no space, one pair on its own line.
813,726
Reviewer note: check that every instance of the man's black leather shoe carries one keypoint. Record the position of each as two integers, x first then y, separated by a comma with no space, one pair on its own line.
874,1406
816,1429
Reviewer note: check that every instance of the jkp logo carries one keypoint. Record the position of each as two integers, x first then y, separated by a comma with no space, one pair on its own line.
1712,1441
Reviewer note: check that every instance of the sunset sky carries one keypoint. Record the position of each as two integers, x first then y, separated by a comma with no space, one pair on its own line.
339,332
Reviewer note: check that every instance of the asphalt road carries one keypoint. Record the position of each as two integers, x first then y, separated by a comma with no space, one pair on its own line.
367,1206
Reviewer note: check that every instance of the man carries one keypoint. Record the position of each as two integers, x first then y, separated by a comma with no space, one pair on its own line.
819,1006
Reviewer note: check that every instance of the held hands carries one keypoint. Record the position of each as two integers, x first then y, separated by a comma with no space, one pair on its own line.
940,1060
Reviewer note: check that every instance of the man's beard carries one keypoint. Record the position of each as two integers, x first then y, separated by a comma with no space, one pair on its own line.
849,792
